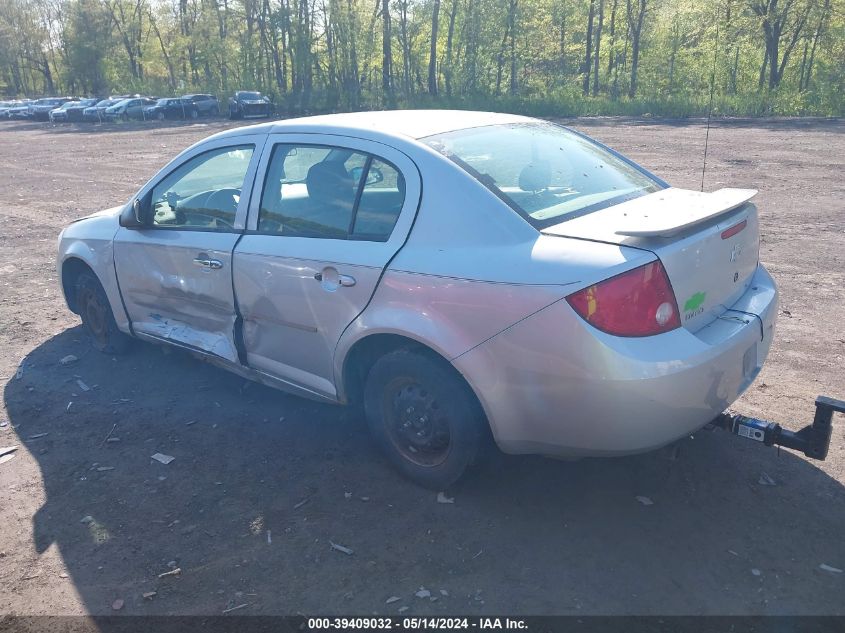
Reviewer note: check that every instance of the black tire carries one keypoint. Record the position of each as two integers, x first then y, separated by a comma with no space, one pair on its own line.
97,317
423,416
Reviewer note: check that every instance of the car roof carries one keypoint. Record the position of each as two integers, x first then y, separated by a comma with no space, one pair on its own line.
407,124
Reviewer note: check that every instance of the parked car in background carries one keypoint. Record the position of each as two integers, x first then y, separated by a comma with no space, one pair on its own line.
5,106
71,111
245,104
171,108
97,111
456,273
207,105
20,111
132,108
41,109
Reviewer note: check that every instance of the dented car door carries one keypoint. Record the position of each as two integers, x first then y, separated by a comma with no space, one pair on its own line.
326,217
175,271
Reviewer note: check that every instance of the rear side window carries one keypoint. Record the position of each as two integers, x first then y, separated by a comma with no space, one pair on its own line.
381,200
546,173
330,192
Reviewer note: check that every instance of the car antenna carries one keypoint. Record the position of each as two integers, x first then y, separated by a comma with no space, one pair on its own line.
712,90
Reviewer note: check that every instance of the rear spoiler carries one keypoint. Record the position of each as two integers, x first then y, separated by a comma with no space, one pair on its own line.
669,211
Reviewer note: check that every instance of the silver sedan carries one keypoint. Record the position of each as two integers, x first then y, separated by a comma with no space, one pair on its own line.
457,274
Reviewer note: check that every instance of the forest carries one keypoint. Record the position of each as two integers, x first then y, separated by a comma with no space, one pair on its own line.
538,57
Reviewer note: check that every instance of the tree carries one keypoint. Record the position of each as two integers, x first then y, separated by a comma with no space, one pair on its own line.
588,50
597,55
387,56
128,18
450,38
432,59
86,39
636,16
782,24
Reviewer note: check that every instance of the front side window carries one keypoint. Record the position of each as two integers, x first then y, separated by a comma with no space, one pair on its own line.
204,192
546,173
330,192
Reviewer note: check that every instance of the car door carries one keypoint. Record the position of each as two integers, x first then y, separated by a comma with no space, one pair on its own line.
133,109
325,219
175,272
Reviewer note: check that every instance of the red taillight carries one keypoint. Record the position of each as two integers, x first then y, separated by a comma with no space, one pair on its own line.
639,302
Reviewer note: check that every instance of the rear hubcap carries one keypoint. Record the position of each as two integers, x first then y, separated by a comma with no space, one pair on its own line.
417,425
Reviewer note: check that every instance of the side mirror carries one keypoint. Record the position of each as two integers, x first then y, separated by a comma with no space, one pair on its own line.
374,175
132,217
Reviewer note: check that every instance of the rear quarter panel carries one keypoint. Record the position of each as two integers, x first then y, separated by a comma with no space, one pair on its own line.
471,268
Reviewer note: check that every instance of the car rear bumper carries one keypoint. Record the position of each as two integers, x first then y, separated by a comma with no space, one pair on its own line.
552,384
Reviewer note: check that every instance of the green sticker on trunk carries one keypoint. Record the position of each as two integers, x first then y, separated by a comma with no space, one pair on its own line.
694,302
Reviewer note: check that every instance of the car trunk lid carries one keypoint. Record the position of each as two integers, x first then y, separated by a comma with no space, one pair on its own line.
708,243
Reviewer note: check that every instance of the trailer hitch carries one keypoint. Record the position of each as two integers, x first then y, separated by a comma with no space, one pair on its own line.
813,440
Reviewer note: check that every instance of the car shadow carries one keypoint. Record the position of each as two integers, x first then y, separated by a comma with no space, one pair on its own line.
262,485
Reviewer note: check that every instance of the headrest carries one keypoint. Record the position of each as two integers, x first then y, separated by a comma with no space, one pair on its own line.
329,182
535,176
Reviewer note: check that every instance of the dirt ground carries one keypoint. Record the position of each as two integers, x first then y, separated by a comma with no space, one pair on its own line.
258,488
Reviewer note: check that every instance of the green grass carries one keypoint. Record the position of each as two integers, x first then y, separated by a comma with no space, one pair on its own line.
564,104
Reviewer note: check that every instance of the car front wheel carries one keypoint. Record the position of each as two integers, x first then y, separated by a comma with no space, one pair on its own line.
423,416
97,317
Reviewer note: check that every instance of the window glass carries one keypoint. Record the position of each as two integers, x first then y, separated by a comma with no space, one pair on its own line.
299,160
545,172
381,201
310,192
204,192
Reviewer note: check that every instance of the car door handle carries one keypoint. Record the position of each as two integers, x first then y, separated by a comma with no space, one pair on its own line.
205,262
342,280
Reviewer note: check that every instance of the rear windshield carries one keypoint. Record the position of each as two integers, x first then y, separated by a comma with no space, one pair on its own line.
546,173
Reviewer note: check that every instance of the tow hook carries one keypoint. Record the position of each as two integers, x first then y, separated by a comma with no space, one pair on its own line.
812,440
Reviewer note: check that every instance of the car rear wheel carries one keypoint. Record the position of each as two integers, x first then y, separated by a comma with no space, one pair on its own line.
423,417
97,317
